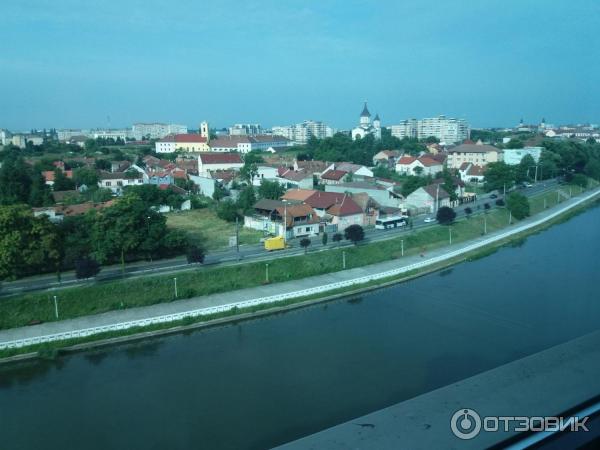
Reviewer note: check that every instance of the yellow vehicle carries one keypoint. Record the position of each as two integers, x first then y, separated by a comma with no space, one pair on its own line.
275,243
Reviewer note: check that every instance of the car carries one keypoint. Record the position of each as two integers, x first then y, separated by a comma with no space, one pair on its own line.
429,219
494,196
527,185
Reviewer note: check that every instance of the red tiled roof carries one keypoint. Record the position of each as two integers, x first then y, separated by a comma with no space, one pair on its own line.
220,158
298,194
49,174
347,207
323,200
302,210
334,175
427,161
184,138
406,160
464,166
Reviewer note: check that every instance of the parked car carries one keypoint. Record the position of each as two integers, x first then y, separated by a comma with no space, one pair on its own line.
527,185
494,196
429,219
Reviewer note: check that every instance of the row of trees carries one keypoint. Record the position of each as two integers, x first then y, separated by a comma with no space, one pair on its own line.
128,230
574,160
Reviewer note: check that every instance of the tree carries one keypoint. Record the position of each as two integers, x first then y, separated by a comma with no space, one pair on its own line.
445,215
247,199
337,237
468,211
449,185
580,180
498,175
28,244
228,210
486,206
518,205
524,169
85,175
324,238
61,182
39,193
418,170
304,243
500,202
86,267
270,189
514,143
195,254
15,179
219,192
354,233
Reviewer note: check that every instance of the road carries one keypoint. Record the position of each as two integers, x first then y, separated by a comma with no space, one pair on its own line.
247,253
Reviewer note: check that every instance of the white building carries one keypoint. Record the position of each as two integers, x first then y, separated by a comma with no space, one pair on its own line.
117,181
365,127
110,134
246,144
21,140
5,137
300,133
513,156
245,129
447,130
140,131
208,162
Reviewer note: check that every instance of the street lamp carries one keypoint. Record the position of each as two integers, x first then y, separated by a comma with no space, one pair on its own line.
55,307
175,280
402,247
343,259
450,234
267,272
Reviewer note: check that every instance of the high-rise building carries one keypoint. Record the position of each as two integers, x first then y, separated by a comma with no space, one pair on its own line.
300,133
141,131
447,130
245,129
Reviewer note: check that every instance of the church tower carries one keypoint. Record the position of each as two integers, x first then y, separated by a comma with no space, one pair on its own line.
377,126
365,117
204,131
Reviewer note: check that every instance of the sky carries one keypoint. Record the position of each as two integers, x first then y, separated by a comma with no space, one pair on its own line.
71,64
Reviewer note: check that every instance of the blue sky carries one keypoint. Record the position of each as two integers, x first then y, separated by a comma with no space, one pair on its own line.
68,63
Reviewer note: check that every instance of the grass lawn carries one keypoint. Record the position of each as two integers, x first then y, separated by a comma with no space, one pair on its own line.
203,225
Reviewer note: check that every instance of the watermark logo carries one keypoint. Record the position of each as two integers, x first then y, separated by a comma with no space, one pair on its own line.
467,423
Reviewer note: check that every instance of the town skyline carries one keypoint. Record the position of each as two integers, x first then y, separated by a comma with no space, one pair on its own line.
283,64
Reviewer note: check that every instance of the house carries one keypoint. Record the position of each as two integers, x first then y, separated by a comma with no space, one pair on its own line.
218,161
386,158
117,181
321,201
346,213
263,172
333,176
296,178
57,213
206,185
246,144
423,165
471,173
357,172
513,156
385,196
270,215
297,195
478,154
315,168
424,199
182,142
119,166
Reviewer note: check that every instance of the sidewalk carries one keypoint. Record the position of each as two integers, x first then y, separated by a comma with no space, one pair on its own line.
290,287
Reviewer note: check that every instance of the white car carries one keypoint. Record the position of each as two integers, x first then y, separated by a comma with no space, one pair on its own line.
429,219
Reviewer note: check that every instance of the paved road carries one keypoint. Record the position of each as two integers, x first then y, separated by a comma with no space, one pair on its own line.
230,256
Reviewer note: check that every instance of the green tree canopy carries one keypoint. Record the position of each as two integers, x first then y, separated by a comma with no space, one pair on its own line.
518,205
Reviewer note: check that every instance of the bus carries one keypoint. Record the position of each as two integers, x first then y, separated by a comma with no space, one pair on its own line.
385,223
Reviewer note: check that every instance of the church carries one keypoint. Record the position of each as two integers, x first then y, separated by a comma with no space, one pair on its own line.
365,127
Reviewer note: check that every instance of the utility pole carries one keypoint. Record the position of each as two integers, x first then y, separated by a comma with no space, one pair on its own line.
437,198
484,224
237,237
450,234
343,259
545,203
267,272
55,307
402,247
536,167
175,281
284,224
557,197
510,217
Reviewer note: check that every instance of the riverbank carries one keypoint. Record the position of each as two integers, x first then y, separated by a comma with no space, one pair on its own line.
184,317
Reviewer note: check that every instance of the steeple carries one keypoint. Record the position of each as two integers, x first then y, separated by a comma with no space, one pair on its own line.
365,112
376,117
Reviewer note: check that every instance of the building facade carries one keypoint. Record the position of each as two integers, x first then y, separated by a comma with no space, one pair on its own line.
140,131
447,130
365,127
513,156
300,133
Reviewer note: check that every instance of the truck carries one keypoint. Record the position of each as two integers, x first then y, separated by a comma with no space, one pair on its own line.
274,243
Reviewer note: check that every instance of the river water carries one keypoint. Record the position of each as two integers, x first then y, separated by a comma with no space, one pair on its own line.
260,383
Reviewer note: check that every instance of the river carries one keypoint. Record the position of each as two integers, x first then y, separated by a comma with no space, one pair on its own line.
259,383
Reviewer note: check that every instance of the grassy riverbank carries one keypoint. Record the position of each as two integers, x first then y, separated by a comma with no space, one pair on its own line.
98,298
50,350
